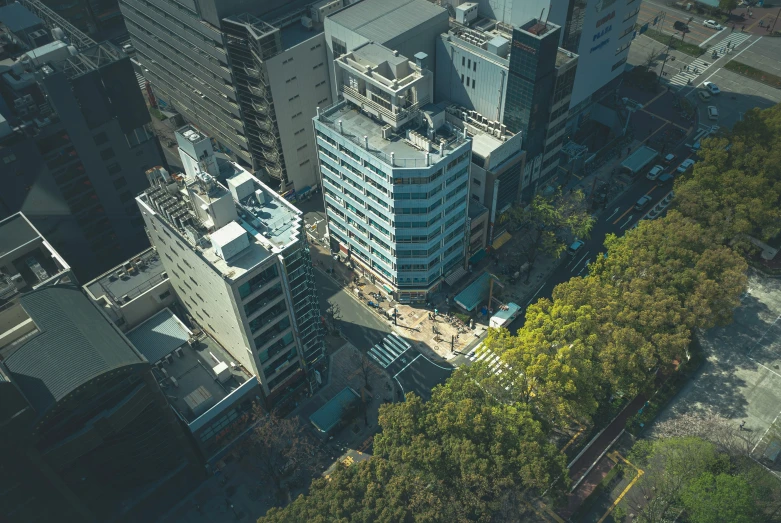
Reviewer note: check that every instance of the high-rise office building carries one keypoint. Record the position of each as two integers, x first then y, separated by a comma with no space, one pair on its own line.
87,433
239,261
250,76
395,173
598,31
538,70
75,141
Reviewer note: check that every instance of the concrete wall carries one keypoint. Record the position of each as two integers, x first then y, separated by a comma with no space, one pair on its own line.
201,289
455,59
299,84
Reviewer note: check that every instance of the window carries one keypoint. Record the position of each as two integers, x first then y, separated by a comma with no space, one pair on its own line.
473,83
303,163
474,66
107,154
462,79
290,80
318,84
476,182
467,81
297,115
469,64
125,196
315,47
192,279
298,132
302,147
463,61
114,168
100,138
291,99
121,182
318,65
322,101
165,295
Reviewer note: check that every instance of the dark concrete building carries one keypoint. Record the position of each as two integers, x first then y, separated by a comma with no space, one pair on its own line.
86,431
75,142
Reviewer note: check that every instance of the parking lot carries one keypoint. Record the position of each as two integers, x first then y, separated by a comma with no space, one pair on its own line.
741,379
738,95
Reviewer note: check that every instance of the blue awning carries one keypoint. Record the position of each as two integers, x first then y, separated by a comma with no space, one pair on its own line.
303,190
475,293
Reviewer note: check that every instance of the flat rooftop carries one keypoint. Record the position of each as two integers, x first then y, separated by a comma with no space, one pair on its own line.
295,34
383,20
26,259
356,125
159,336
484,144
197,388
131,278
563,57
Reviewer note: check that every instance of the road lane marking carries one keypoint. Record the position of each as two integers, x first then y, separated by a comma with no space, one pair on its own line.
625,213
535,294
628,220
407,365
580,260
614,213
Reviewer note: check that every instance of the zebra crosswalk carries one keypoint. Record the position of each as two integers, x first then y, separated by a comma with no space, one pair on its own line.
494,363
141,81
391,348
699,65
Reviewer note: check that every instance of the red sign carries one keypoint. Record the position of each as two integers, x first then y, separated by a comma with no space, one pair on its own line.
606,18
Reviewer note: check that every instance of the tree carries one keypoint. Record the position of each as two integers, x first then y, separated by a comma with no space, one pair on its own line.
648,63
366,368
716,498
735,190
548,223
279,446
728,5
333,313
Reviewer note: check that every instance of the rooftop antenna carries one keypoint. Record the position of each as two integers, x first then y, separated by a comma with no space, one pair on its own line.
544,22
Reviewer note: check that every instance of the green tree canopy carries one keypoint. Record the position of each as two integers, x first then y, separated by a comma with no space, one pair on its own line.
728,5
549,222
717,498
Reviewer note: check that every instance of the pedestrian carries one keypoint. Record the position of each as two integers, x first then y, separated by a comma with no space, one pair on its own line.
761,23
742,28
733,29
742,424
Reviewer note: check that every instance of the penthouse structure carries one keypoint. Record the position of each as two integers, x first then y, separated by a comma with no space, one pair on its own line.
395,173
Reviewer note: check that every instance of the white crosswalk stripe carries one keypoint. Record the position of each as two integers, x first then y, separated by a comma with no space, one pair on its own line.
141,81
494,363
389,350
699,65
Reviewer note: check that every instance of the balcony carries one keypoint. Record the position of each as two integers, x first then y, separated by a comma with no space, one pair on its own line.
395,118
263,302
274,350
269,318
251,289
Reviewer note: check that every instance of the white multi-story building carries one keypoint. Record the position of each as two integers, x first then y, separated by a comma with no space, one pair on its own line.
598,31
238,259
395,174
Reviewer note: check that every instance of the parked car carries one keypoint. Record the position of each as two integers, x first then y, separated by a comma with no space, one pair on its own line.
670,158
713,112
665,179
685,165
372,304
713,88
704,96
680,26
575,247
642,202
654,173
712,24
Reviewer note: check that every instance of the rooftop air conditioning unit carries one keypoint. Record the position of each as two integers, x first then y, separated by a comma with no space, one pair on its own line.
165,372
175,383
179,352
169,359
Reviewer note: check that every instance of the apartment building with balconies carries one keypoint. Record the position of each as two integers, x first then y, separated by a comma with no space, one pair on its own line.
238,259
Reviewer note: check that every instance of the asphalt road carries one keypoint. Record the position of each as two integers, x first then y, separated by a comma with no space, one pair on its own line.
617,218
697,34
362,327
416,373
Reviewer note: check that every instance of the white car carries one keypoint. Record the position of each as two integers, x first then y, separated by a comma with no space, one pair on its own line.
654,173
685,165
713,88
712,24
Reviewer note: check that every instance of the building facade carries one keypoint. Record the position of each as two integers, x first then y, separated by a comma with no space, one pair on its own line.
75,148
395,174
248,76
238,259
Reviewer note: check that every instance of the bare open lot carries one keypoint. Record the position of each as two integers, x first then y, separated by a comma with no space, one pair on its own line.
741,379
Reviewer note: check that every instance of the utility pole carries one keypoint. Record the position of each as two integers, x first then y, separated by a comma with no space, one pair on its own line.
666,57
395,316
774,22
452,342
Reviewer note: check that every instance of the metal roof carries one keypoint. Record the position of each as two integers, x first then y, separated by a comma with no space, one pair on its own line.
384,20
475,293
159,336
15,232
329,415
75,344
18,18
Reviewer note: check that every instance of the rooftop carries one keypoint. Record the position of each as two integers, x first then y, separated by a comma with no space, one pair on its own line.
26,258
197,386
474,293
330,415
159,336
564,57
129,280
383,20
16,17
73,344
356,125
272,222
476,209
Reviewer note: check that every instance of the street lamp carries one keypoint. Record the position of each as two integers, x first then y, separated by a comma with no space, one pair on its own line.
666,57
